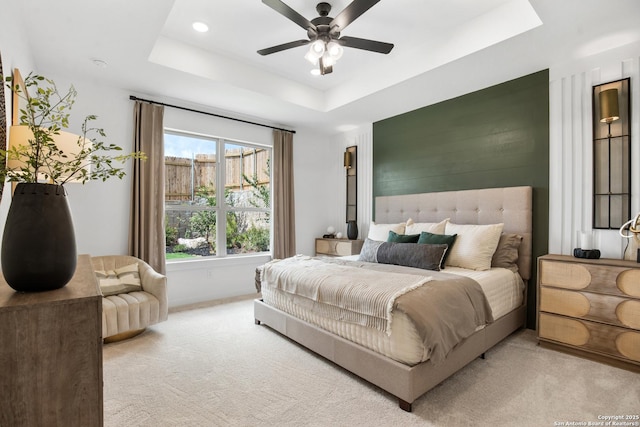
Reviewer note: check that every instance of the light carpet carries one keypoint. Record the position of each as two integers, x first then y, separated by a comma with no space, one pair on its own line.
212,366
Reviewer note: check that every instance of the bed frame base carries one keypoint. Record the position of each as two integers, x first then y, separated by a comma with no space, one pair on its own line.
405,382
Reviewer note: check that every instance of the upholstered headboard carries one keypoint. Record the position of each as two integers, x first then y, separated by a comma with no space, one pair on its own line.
510,205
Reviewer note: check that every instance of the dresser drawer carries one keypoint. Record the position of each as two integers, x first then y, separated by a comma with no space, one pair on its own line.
596,278
615,310
590,336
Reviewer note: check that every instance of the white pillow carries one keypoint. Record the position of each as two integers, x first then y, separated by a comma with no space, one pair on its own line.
431,227
380,232
474,246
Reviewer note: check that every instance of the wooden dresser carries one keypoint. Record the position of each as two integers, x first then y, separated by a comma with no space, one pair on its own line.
338,247
51,354
590,308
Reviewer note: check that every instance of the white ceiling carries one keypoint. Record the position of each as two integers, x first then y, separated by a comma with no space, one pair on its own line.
442,49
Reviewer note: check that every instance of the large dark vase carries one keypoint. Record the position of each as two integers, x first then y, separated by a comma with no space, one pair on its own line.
39,244
352,230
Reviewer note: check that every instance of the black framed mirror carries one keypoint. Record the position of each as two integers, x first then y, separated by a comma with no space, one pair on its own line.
351,167
611,154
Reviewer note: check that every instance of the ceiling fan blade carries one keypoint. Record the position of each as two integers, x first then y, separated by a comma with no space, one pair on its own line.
365,44
351,12
281,47
289,13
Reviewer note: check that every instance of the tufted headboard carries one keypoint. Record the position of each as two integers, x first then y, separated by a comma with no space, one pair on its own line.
510,205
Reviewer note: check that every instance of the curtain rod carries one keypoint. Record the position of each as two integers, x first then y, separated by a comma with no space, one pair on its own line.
135,98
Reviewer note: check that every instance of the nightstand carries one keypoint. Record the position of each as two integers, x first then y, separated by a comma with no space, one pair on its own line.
338,247
590,308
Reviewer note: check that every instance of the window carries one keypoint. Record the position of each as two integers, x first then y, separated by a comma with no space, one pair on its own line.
212,207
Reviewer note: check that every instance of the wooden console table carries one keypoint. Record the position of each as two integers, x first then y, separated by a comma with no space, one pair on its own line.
51,354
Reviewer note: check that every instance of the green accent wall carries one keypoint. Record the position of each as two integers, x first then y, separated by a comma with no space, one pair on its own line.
495,137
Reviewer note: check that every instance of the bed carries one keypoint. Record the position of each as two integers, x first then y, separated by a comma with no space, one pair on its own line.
389,354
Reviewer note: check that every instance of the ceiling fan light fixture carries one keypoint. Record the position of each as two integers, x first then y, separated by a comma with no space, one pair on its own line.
328,60
324,33
318,48
335,50
315,71
312,57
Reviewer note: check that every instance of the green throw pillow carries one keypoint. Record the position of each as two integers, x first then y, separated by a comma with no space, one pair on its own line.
427,238
402,238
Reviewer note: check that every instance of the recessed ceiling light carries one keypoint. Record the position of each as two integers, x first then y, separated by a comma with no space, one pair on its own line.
200,27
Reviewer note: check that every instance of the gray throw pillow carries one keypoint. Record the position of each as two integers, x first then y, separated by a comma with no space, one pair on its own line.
425,256
369,250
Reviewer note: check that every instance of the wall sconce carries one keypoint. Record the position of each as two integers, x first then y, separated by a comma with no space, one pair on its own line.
609,111
611,154
347,159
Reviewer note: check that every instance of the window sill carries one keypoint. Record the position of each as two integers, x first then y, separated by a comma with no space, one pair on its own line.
197,264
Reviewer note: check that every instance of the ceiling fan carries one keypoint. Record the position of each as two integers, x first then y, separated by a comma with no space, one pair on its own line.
323,33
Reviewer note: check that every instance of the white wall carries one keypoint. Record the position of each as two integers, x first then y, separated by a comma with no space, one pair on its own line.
570,151
362,137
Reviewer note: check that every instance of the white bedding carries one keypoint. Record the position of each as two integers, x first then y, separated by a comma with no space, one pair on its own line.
503,289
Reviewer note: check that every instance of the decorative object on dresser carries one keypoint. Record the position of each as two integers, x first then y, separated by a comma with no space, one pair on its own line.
3,131
51,354
338,247
586,250
590,308
631,230
352,230
38,244
331,233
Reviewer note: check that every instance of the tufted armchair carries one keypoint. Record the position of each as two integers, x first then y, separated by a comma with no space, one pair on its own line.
127,309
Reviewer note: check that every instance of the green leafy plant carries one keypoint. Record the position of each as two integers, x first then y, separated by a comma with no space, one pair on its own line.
203,223
261,192
180,248
46,113
170,233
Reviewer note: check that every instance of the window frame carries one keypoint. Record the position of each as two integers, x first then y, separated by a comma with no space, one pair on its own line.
222,209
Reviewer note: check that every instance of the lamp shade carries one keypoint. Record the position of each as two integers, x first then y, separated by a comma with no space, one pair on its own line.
66,142
609,105
347,159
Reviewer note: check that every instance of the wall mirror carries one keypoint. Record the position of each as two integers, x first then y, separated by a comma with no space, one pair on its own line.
351,166
611,154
